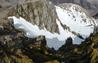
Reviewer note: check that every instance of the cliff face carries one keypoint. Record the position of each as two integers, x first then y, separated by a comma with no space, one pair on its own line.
41,13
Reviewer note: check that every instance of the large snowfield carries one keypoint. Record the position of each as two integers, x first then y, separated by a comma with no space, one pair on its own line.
80,24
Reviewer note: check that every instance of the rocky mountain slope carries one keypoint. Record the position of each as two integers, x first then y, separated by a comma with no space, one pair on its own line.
43,18
37,31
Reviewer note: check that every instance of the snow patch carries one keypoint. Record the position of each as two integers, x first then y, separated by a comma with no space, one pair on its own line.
32,31
74,20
